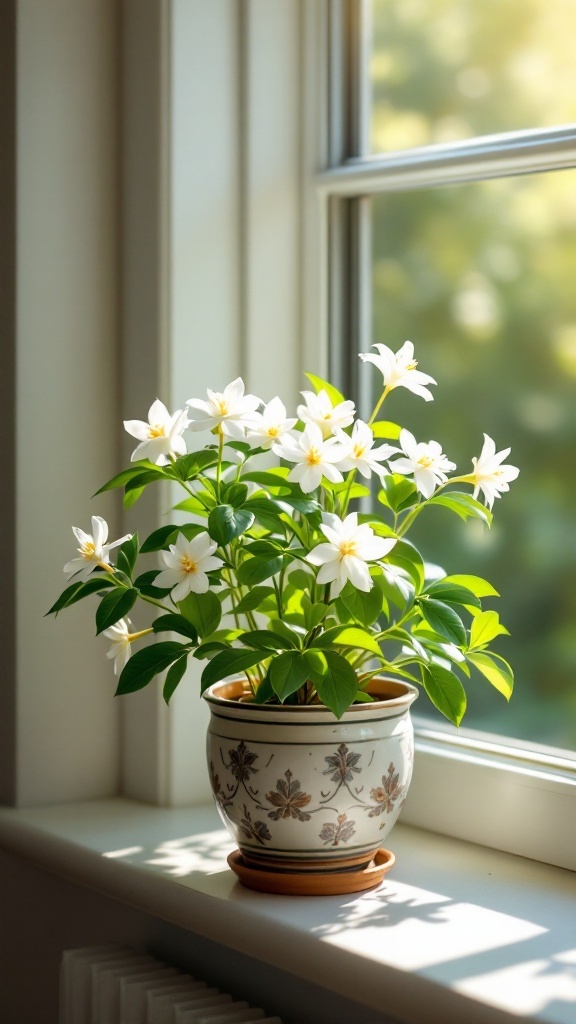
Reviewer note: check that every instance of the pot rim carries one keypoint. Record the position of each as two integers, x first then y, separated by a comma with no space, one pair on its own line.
399,693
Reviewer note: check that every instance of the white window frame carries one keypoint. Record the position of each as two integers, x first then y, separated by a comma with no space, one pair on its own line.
242,202
468,785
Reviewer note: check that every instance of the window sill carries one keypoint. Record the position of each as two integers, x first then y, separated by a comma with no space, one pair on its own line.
456,932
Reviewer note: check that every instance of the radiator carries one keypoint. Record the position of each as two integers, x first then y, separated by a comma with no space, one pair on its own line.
114,984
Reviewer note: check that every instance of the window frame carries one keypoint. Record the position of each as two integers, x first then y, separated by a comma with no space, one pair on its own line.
471,786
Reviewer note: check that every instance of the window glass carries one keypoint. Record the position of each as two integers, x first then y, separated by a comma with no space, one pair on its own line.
481,278
443,70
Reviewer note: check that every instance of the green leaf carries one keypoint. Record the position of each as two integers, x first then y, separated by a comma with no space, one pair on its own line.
476,584
145,584
338,686
363,698
127,555
443,620
113,607
227,663
397,492
288,672
314,614
187,467
408,558
258,568
445,691
204,611
266,640
387,429
335,396
356,490
142,480
75,592
269,546
266,512
464,505
364,607
497,671
173,677
123,478
235,494
348,636
264,692
485,627
283,629
301,579
275,477
173,623
220,640
453,593
131,497
226,522
147,663
253,599
317,665
192,505
165,535
307,506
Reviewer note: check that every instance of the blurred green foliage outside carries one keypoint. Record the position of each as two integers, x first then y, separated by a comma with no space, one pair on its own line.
482,278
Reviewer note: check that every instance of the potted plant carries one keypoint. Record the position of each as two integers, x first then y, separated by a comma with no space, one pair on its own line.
287,569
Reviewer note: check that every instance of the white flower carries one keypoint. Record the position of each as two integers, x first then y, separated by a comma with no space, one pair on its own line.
489,475
121,639
359,451
161,436
319,410
314,457
399,369
94,551
271,424
188,562
348,550
426,461
232,411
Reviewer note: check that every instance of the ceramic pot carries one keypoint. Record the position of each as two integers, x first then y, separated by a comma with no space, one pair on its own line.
299,790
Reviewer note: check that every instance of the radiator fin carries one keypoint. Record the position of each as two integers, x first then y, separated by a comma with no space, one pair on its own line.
113,984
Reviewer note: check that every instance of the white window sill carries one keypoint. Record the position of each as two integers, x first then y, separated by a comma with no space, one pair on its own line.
456,933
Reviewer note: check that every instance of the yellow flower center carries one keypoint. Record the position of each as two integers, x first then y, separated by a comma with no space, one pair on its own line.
156,430
222,407
425,461
327,416
88,550
412,365
359,450
313,457
273,431
187,564
347,547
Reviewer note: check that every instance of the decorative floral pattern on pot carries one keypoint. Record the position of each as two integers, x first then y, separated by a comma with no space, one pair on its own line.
292,799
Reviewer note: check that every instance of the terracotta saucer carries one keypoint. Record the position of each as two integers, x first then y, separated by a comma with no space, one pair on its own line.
300,883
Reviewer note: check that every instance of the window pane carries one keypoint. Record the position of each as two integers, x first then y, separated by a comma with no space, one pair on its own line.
481,277
443,70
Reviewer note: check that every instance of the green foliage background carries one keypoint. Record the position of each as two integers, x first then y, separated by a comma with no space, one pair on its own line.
482,278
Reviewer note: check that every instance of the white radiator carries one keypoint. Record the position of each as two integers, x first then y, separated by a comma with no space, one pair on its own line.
115,985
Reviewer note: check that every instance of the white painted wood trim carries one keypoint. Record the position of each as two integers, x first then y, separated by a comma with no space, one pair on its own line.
67,392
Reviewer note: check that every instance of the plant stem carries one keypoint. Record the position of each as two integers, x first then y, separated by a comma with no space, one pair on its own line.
378,406
219,463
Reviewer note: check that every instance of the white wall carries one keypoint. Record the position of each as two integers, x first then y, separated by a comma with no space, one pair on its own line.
67,384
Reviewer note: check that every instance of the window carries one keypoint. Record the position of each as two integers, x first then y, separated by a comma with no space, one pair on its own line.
462,241
250,242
